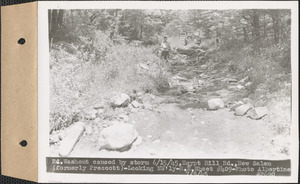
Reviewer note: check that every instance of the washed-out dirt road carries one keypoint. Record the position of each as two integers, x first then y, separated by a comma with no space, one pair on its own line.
176,122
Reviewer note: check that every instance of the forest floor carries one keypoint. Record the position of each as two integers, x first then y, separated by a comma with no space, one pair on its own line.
176,124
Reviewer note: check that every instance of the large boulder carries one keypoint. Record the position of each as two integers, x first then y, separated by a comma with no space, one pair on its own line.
242,110
119,136
215,103
120,100
258,112
69,142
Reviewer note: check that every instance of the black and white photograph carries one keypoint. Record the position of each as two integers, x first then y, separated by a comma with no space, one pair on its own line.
202,83
171,83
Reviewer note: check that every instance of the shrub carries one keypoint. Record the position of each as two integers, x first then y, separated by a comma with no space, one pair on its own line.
77,82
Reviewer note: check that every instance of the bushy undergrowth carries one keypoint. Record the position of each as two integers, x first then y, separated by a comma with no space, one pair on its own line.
95,73
266,67
269,73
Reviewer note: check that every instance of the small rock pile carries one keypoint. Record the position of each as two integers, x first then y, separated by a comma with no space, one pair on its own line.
241,108
246,108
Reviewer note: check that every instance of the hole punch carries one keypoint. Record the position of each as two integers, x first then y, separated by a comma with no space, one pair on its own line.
21,41
23,143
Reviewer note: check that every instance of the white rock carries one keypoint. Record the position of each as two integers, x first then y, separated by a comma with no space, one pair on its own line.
242,110
216,103
258,113
156,141
135,104
69,142
118,136
231,80
120,100
239,87
248,84
143,66
99,106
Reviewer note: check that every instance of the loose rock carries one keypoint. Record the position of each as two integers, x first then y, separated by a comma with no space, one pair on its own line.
258,113
248,84
242,110
239,87
99,106
216,103
69,142
143,66
120,100
119,136
156,141
135,104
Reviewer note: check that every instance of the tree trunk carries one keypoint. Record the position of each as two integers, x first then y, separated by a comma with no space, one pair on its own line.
55,24
60,18
256,26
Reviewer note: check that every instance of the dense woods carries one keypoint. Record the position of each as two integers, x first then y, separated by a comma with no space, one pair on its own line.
248,26
97,53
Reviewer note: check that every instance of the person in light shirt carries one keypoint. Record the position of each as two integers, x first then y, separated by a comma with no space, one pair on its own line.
165,49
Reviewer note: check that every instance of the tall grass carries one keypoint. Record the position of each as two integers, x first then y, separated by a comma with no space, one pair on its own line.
78,82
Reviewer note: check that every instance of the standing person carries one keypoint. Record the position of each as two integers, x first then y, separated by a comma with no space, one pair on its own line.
165,49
